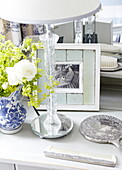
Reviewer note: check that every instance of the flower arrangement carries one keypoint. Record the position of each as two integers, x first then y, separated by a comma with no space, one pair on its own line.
17,69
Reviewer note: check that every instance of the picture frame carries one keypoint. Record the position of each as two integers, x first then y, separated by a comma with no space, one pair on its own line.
86,61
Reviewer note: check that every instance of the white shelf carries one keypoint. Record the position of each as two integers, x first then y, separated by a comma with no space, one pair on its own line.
114,74
25,148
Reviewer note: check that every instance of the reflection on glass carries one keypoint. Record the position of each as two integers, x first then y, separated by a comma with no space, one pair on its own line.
39,128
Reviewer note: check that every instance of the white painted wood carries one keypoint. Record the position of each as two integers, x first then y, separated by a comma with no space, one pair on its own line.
74,99
61,99
6,166
89,78
26,149
60,55
74,55
21,167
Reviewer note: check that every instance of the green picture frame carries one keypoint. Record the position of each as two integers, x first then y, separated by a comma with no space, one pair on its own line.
87,55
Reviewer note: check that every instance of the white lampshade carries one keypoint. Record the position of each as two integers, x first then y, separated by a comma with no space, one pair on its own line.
47,11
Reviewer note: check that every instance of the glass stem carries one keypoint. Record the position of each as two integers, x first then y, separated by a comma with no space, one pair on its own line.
52,122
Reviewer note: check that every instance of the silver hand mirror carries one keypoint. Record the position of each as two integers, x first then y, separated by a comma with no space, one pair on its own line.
102,129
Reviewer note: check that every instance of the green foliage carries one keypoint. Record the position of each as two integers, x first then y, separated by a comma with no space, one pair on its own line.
9,56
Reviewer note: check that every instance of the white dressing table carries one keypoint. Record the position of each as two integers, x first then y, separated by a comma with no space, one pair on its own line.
24,150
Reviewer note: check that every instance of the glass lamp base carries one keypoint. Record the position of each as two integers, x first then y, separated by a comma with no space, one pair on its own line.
38,127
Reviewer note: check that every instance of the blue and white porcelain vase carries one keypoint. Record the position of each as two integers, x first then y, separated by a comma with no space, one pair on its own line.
12,113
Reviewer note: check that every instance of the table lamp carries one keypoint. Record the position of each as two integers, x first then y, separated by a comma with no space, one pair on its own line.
48,12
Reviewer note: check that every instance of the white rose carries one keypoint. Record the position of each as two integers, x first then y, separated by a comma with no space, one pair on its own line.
12,78
5,85
25,68
22,69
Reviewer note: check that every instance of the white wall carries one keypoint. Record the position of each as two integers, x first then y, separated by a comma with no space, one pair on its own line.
108,6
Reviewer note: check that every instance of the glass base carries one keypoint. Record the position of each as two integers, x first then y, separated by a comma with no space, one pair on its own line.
10,132
38,127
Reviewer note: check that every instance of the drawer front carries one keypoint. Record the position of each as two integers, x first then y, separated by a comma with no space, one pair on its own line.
22,167
6,166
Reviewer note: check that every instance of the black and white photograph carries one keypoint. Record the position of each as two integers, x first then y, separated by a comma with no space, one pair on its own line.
69,76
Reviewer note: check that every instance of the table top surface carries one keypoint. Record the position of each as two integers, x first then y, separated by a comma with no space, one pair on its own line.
25,148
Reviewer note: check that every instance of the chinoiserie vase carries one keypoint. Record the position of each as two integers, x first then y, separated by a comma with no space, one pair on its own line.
12,113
